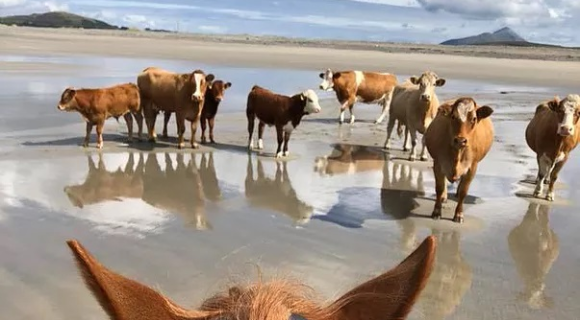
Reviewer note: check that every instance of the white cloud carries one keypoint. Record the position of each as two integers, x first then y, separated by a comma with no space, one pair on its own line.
11,3
401,3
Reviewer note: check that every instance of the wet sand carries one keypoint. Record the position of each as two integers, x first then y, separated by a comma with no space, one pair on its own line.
188,223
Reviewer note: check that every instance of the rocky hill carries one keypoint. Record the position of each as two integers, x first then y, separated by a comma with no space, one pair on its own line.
57,19
504,35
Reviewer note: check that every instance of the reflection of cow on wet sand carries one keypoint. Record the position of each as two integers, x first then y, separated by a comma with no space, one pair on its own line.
534,247
101,185
349,159
450,280
275,194
178,190
398,199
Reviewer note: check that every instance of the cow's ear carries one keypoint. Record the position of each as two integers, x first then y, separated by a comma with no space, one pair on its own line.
210,78
483,112
440,82
227,85
321,75
392,294
553,104
414,80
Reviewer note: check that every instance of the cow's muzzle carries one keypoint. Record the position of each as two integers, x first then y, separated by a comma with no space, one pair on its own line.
195,98
426,97
565,130
460,142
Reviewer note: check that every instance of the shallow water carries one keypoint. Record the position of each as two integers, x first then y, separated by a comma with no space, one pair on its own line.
187,222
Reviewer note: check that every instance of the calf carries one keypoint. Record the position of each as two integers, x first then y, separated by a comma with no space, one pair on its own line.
391,295
275,194
213,96
167,91
458,139
349,159
98,105
278,110
552,134
414,105
360,86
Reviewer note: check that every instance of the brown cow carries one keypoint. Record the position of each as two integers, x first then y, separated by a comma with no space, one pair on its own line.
552,134
278,110
98,105
414,105
101,185
213,96
360,86
183,94
534,246
390,295
275,194
458,140
349,159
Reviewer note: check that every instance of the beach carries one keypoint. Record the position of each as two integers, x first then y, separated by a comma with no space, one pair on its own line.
189,222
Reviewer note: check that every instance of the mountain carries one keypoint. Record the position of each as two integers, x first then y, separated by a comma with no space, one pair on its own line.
503,35
57,19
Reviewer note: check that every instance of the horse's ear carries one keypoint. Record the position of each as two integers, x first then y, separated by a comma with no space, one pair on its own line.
126,299
392,294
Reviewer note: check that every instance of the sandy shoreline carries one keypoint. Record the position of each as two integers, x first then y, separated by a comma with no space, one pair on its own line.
257,52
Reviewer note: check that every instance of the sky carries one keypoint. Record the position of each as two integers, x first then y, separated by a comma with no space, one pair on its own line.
415,21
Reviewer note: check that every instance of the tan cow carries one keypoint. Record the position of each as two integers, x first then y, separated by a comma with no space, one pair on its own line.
534,246
414,105
390,295
101,185
552,134
458,139
275,194
349,159
98,105
183,94
360,86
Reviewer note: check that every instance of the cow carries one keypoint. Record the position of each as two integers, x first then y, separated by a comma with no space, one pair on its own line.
213,96
360,86
390,295
282,111
458,139
552,134
95,105
349,159
534,247
275,194
101,185
414,105
182,93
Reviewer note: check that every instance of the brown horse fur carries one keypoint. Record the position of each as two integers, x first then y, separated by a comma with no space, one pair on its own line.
391,295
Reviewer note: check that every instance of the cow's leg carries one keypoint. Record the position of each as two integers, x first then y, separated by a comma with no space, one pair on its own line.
351,111
166,117
286,139
440,190
89,128
553,177
193,126
462,192
129,120
405,149
386,104
261,127
413,133
180,119
251,121
280,138
344,105
202,122
423,156
544,166
139,120
211,123
150,117
390,127
100,126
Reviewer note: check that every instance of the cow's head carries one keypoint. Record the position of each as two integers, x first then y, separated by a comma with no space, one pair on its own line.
200,82
327,80
390,295
427,83
67,100
568,111
311,101
218,89
465,115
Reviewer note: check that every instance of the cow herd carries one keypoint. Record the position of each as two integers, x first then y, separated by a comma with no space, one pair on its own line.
457,133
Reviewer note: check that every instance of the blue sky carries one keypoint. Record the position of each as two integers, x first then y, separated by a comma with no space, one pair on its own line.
427,21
